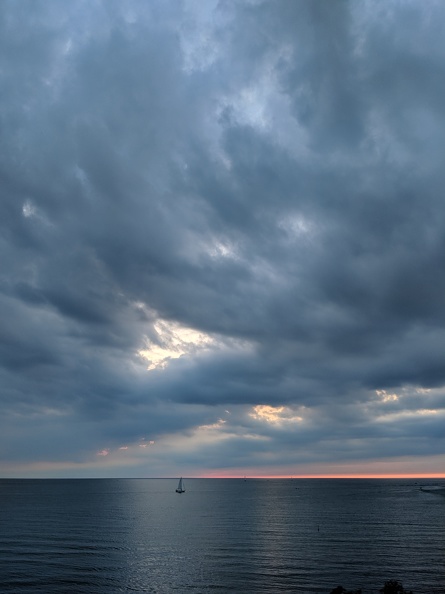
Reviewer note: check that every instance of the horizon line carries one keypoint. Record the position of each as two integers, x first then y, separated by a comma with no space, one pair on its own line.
239,477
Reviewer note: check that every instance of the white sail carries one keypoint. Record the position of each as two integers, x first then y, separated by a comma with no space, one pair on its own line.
180,488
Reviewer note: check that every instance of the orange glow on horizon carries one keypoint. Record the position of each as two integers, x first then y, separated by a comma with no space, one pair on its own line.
431,467
324,476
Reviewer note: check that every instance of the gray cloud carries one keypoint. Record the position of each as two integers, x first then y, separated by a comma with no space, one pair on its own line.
268,174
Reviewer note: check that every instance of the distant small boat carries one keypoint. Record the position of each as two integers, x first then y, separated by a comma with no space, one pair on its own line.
180,488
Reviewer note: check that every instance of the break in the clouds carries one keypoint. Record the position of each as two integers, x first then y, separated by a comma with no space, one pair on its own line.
222,237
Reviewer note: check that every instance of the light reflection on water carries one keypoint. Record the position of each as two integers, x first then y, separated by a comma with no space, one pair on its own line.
97,536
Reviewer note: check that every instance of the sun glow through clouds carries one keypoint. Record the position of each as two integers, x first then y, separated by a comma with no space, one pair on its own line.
173,342
275,415
385,397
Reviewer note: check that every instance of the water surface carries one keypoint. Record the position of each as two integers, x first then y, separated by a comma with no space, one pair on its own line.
133,535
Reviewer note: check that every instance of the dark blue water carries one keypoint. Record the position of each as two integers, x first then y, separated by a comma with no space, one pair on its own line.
107,536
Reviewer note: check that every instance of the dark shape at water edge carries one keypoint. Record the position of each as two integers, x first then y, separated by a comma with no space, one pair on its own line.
390,587
394,587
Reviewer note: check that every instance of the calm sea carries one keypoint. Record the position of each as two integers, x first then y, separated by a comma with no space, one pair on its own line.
228,535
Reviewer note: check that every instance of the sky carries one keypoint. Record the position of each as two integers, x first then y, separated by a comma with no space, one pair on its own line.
222,238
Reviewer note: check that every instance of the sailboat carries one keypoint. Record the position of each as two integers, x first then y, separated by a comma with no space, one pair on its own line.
180,488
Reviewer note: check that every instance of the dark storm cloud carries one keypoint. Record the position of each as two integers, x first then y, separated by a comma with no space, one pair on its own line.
268,173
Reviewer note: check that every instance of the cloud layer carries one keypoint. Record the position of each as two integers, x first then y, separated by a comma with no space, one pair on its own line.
222,237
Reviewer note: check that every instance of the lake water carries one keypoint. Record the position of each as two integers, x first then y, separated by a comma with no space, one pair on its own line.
225,535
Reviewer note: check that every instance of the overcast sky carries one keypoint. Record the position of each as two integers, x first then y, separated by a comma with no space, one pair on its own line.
222,237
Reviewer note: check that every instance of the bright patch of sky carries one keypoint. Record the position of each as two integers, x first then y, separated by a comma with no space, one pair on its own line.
174,341
276,415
